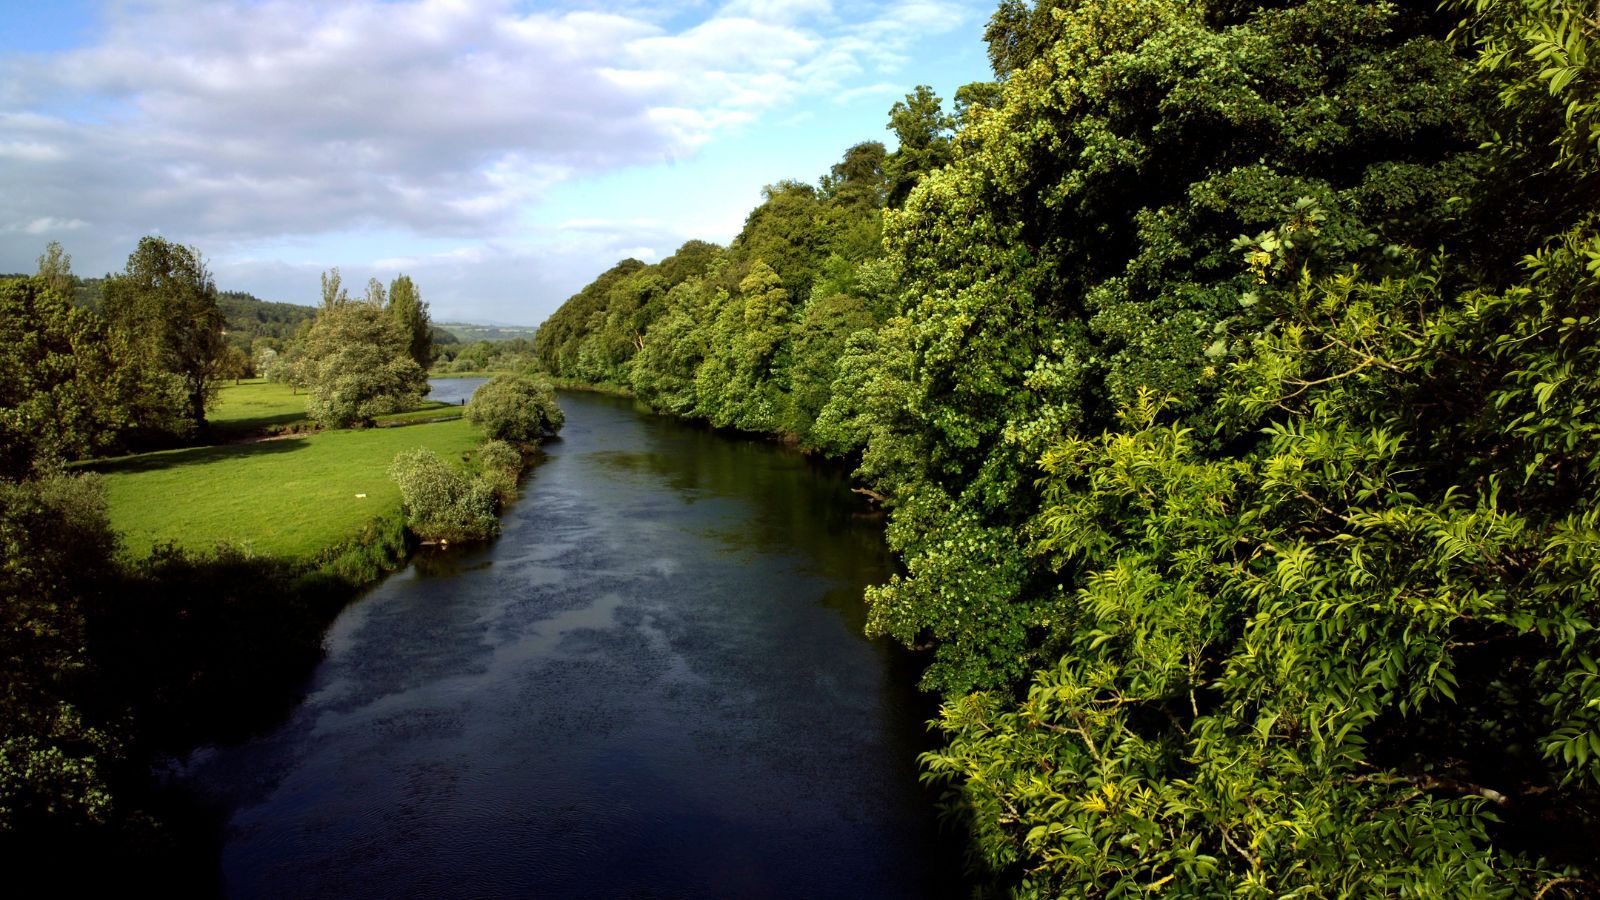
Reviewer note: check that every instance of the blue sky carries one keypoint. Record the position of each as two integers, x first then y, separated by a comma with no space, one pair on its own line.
500,153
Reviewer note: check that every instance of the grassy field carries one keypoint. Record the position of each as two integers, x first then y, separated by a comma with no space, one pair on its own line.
255,405
290,498
430,411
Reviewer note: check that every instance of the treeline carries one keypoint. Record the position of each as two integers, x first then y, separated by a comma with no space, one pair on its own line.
137,371
1230,371
248,315
107,662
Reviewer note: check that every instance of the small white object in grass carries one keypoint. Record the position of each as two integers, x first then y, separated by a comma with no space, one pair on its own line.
361,496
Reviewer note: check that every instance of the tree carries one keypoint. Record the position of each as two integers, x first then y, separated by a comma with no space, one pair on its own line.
924,130
333,291
357,364
58,558
66,390
516,408
859,177
165,304
411,312
236,364
55,270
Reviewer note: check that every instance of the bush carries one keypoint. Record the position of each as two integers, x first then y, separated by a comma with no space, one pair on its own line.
440,502
56,560
499,464
499,456
516,408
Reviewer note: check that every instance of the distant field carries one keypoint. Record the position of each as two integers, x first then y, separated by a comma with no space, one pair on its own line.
468,333
290,498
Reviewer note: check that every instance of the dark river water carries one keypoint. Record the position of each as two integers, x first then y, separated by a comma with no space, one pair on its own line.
653,684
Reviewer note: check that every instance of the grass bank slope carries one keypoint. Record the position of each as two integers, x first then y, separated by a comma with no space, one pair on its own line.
293,498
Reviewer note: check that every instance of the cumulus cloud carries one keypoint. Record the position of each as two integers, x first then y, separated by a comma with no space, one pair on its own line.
235,123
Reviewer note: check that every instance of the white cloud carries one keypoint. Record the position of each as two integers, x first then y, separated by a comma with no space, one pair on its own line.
778,10
46,225
242,124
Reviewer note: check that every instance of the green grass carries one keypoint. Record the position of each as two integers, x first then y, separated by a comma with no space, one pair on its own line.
255,405
293,498
429,411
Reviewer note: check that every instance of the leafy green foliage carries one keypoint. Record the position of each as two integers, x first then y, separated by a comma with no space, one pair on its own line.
55,555
440,502
516,408
499,465
1230,371
924,132
411,312
255,318
356,360
66,391
55,270
165,306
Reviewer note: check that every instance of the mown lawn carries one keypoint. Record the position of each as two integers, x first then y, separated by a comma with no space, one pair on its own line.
254,405
291,498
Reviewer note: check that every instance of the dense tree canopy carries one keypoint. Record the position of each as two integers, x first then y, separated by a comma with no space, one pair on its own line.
515,408
356,361
66,389
165,305
1230,370
411,312
56,551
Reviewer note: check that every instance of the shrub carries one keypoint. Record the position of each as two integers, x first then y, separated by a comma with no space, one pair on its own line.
516,408
499,464
499,456
440,502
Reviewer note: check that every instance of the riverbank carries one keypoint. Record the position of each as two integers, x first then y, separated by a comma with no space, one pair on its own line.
573,384
293,499
233,561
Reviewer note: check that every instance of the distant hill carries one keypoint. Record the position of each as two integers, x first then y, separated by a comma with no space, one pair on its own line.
246,314
262,318
469,333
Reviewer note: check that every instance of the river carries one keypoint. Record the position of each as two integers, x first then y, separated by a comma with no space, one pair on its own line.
653,684
453,390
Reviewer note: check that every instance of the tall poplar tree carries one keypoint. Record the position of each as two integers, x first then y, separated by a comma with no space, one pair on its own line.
55,268
411,311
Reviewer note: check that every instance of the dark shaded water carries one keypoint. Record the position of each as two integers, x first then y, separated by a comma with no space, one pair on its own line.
654,684
453,390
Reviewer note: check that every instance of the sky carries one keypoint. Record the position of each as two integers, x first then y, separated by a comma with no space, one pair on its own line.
500,153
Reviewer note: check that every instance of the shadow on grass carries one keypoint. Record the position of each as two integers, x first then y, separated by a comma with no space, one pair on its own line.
192,456
256,423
